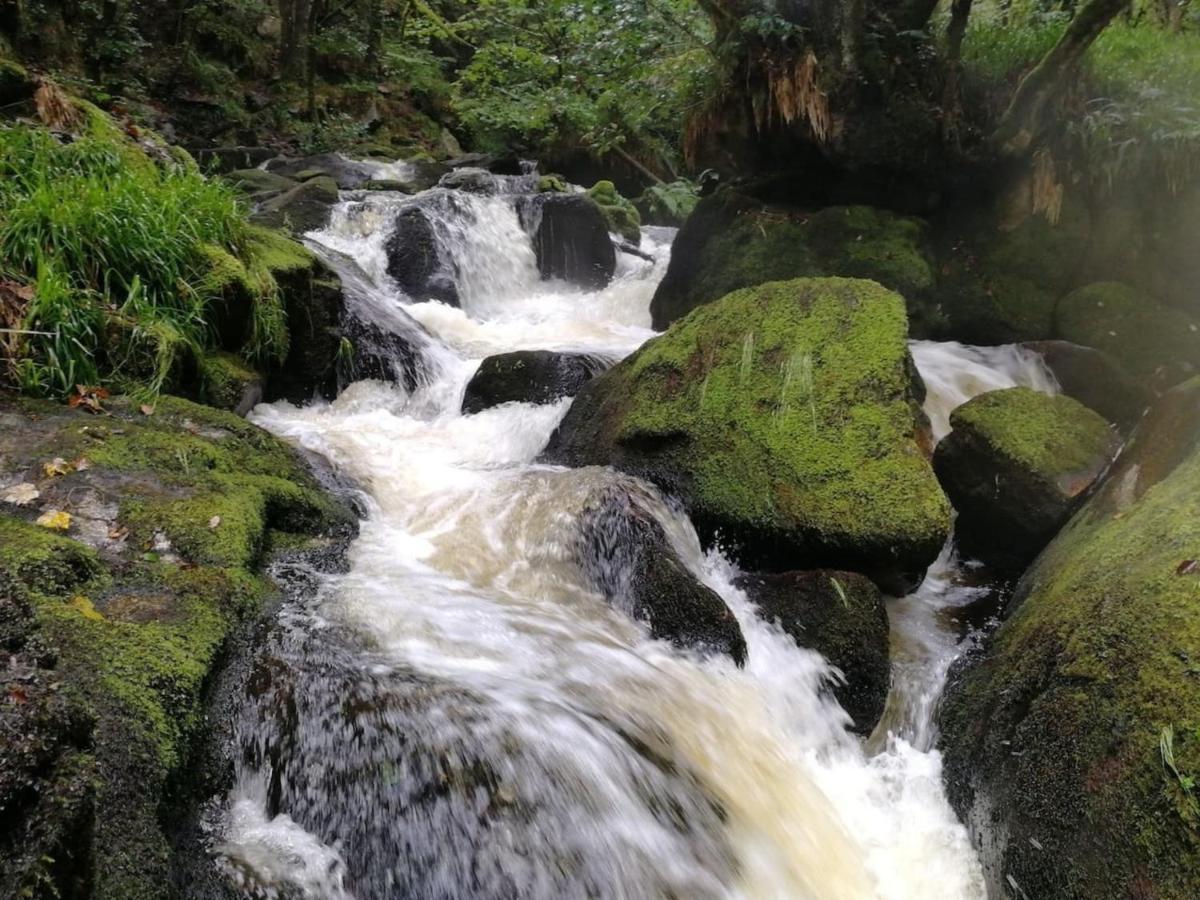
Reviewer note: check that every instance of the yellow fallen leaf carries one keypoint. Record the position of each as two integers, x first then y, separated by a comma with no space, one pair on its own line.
55,519
56,466
85,607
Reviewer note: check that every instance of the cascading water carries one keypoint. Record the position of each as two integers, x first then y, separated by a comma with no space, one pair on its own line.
461,715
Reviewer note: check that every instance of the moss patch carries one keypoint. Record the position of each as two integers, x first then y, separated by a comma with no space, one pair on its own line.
621,216
784,414
1152,340
1056,734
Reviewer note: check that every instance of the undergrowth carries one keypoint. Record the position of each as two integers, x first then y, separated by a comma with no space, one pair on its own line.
1136,112
114,248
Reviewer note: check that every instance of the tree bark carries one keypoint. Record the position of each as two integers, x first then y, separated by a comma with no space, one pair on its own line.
960,14
1023,121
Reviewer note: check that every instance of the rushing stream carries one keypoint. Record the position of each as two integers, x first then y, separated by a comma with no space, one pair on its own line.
461,716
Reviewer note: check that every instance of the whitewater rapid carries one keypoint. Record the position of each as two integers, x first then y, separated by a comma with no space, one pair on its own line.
637,769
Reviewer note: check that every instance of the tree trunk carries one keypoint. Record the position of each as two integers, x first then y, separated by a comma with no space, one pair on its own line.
960,13
1024,119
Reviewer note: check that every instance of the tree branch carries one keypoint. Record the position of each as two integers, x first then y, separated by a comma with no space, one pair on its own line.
1023,120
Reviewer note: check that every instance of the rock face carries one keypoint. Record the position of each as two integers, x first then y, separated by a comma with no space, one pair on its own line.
1153,341
1071,741
1096,380
347,174
529,376
417,261
784,417
732,242
628,557
125,606
304,208
842,616
1015,466
570,239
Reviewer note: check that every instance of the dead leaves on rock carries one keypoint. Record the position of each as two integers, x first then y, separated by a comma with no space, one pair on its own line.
55,520
89,399
20,494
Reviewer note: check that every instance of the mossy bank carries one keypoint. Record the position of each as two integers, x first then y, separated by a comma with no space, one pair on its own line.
135,542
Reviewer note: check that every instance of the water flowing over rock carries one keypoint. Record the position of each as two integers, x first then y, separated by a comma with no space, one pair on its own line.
417,260
1096,380
530,376
570,239
841,615
1071,736
1015,466
628,557
785,418
347,174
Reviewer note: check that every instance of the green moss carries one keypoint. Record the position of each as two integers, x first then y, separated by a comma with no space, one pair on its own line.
43,561
620,214
1050,436
785,408
863,242
1059,726
1143,334
552,184
227,381
259,181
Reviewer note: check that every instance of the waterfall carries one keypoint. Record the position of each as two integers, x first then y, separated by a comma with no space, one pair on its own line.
461,715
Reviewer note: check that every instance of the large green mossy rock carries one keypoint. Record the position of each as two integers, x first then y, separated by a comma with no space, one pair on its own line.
1015,466
785,417
1072,743
125,605
1153,341
733,242
306,207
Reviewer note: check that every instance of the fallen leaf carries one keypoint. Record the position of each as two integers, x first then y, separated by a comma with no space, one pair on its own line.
17,695
1187,567
147,409
90,399
55,519
118,533
21,494
56,466
82,464
214,521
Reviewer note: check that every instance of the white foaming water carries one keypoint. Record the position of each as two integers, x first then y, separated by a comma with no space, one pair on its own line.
648,772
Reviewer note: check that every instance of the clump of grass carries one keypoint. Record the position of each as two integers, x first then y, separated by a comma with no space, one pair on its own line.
114,244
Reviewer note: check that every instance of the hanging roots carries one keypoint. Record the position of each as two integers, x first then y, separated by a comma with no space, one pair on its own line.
1047,189
794,92
55,108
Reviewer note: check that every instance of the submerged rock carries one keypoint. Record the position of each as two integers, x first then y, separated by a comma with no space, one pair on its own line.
570,239
842,616
785,418
1015,466
306,207
732,241
417,261
529,376
1071,740
628,557
1153,341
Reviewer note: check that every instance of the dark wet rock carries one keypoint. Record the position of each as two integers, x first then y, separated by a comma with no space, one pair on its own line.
732,241
530,376
1015,467
228,382
306,207
842,616
417,262
785,418
1096,380
347,174
388,184
425,174
570,239
1071,736
628,557
471,180
379,353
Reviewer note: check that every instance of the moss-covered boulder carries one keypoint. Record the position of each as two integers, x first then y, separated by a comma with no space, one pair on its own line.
842,616
1072,740
785,418
1096,380
1153,341
135,539
306,207
732,242
529,376
259,184
1015,466
621,215
228,382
